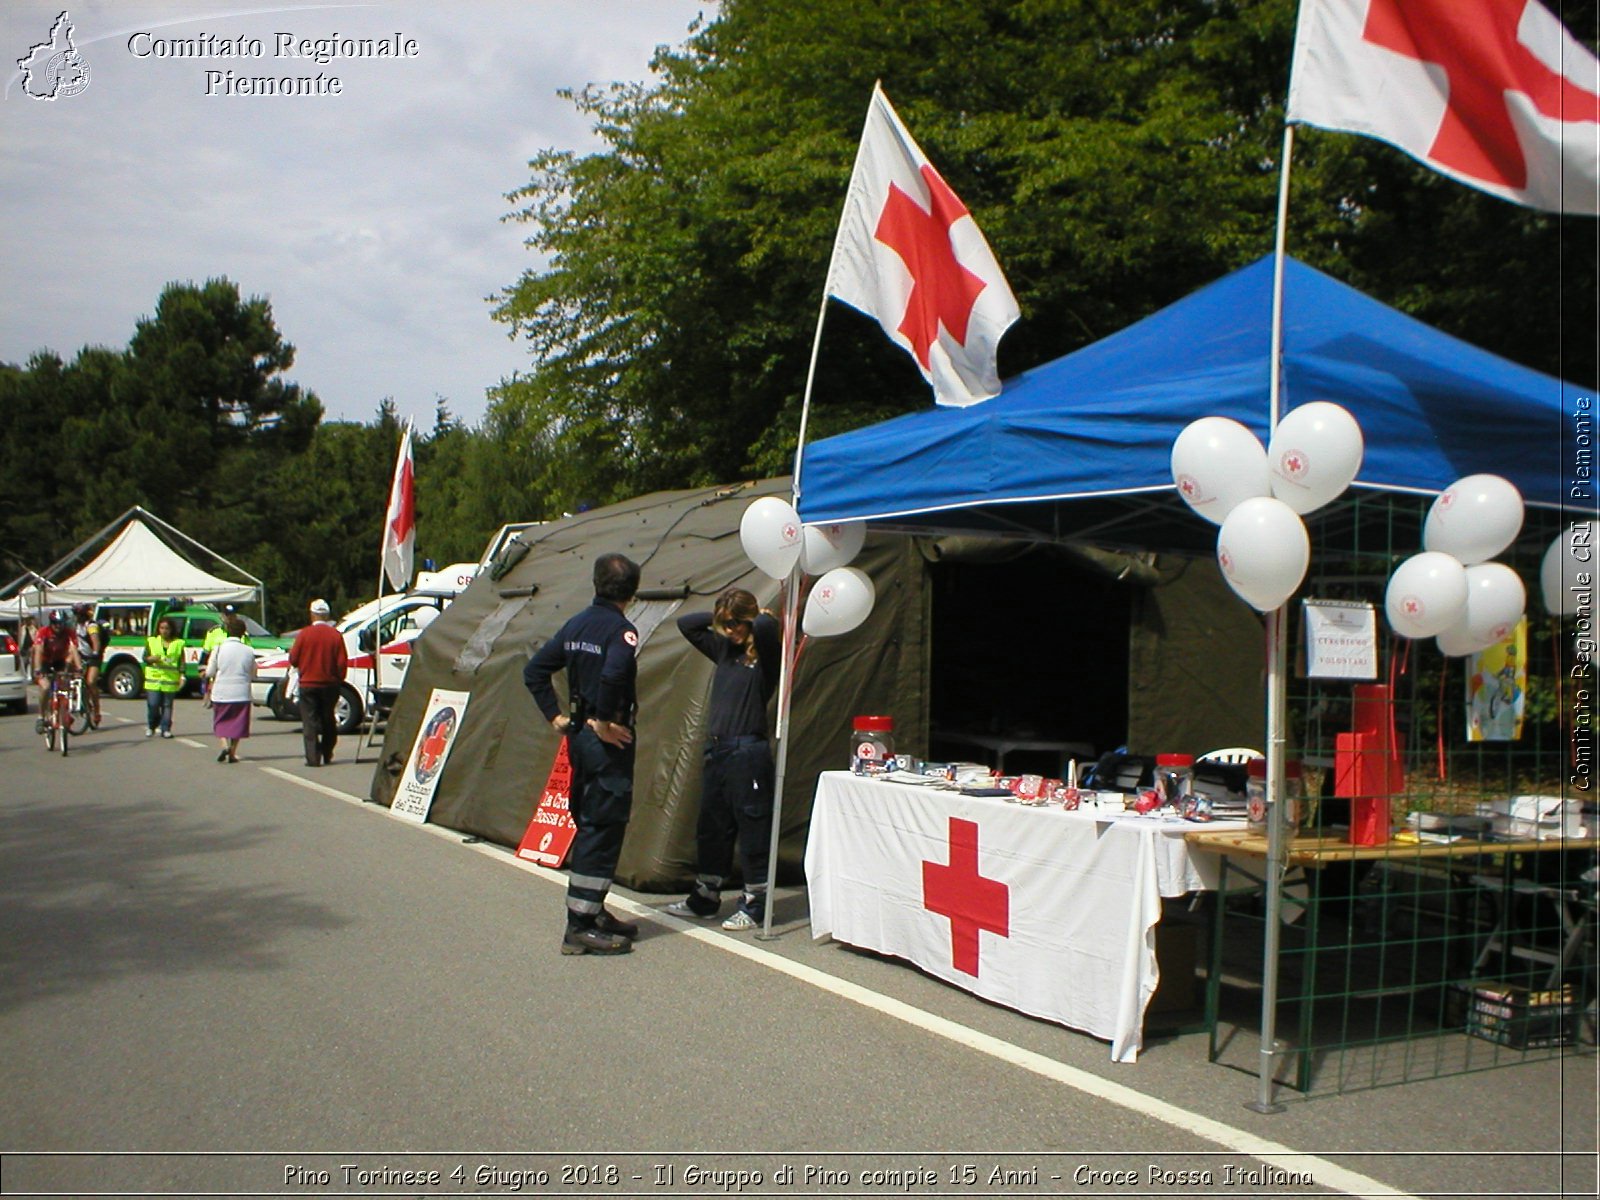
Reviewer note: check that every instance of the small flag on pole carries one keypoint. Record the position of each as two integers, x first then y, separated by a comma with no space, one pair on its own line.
909,254
1495,94
400,522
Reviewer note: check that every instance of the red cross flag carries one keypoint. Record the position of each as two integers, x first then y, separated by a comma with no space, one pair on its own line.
1495,94
400,522
909,253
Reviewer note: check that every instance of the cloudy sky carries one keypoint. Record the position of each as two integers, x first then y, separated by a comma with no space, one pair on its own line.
370,219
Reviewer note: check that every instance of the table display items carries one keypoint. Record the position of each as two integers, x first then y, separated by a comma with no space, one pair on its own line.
1175,796
872,746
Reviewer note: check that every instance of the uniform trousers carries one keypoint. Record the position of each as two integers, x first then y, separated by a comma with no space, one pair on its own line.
600,803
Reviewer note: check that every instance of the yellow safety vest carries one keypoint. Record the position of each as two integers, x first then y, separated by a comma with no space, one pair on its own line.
163,668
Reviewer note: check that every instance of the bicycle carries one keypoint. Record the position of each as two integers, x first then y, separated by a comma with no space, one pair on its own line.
57,714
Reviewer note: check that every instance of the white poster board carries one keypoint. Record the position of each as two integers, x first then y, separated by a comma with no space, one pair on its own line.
413,796
1341,639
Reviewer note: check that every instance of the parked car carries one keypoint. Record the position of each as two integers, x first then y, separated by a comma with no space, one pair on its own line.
13,675
130,622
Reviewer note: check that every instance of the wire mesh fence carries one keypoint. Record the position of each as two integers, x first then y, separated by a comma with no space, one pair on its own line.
1439,919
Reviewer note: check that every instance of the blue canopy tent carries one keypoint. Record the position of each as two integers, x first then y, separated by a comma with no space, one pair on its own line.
1096,427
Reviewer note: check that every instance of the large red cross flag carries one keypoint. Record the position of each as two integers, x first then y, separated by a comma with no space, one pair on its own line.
909,254
1493,93
400,521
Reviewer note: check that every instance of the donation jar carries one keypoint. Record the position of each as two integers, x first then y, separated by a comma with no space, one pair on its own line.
871,745
1255,792
1174,777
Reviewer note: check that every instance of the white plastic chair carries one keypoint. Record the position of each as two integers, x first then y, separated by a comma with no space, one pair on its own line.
1233,756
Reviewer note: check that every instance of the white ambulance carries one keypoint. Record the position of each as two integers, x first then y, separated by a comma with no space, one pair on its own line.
404,616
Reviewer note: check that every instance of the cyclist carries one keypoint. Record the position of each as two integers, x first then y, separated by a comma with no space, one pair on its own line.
91,636
55,649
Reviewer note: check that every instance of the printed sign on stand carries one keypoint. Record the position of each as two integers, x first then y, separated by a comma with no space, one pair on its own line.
1341,640
551,831
440,723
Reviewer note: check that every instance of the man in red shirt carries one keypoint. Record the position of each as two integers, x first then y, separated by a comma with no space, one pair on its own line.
318,654
55,649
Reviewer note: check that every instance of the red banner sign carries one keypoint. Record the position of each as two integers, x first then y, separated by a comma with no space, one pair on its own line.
551,831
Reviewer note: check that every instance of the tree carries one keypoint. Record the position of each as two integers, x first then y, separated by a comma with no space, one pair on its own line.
1117,156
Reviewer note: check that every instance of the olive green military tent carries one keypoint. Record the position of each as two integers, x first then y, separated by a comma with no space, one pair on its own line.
687,544
1059,642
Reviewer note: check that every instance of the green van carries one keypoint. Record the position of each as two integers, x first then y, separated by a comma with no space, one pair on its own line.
128,623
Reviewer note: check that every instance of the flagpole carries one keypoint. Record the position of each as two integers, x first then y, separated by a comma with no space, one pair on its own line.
791,613
1277,691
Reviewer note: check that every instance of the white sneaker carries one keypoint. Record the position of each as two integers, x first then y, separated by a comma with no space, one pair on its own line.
149,733
685,908
166,733
739,920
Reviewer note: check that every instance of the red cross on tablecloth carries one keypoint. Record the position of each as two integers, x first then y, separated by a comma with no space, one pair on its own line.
971,901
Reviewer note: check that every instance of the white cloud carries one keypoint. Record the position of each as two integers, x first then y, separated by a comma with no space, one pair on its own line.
371,219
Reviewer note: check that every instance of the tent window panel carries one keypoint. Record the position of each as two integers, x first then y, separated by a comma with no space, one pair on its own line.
647,615
475,652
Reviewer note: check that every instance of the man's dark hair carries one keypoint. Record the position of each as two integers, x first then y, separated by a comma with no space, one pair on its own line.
616,578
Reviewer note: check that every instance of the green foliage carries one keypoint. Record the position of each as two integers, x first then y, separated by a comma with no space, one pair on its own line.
1116,155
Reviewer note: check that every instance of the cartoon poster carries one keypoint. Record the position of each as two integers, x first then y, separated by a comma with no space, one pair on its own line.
1497,685
413,796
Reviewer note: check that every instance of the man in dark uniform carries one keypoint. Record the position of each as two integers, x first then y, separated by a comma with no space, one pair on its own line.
596,649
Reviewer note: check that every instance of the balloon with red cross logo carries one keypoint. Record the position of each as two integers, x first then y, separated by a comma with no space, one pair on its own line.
1314,455
1263,550
839,602
832,545
771,535
1427,594
1216,463
1474,519
1496,598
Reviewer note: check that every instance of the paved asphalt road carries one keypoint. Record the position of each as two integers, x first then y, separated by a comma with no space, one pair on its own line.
242,980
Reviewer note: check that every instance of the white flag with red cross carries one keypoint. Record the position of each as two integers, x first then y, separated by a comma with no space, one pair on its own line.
1495,94
400,521
909,254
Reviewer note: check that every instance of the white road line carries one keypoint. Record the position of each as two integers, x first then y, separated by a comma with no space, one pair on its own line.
1325,1172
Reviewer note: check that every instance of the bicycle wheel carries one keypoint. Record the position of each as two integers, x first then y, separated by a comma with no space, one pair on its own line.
79,708
63,720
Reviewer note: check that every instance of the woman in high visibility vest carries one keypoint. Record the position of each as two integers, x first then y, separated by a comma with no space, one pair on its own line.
163,676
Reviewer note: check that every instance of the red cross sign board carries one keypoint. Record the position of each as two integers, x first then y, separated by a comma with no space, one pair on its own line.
550,833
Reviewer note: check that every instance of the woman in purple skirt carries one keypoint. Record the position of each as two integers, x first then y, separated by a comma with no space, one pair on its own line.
231,668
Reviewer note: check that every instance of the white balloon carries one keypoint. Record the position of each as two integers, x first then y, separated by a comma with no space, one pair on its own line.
770,533
839,601
1457,642
1474,519
1314,454
830,546
1496,599
1569,554
1216,463
1427,594
1495,602
1263,550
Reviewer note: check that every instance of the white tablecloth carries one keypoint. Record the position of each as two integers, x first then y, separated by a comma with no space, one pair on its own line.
1049,912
